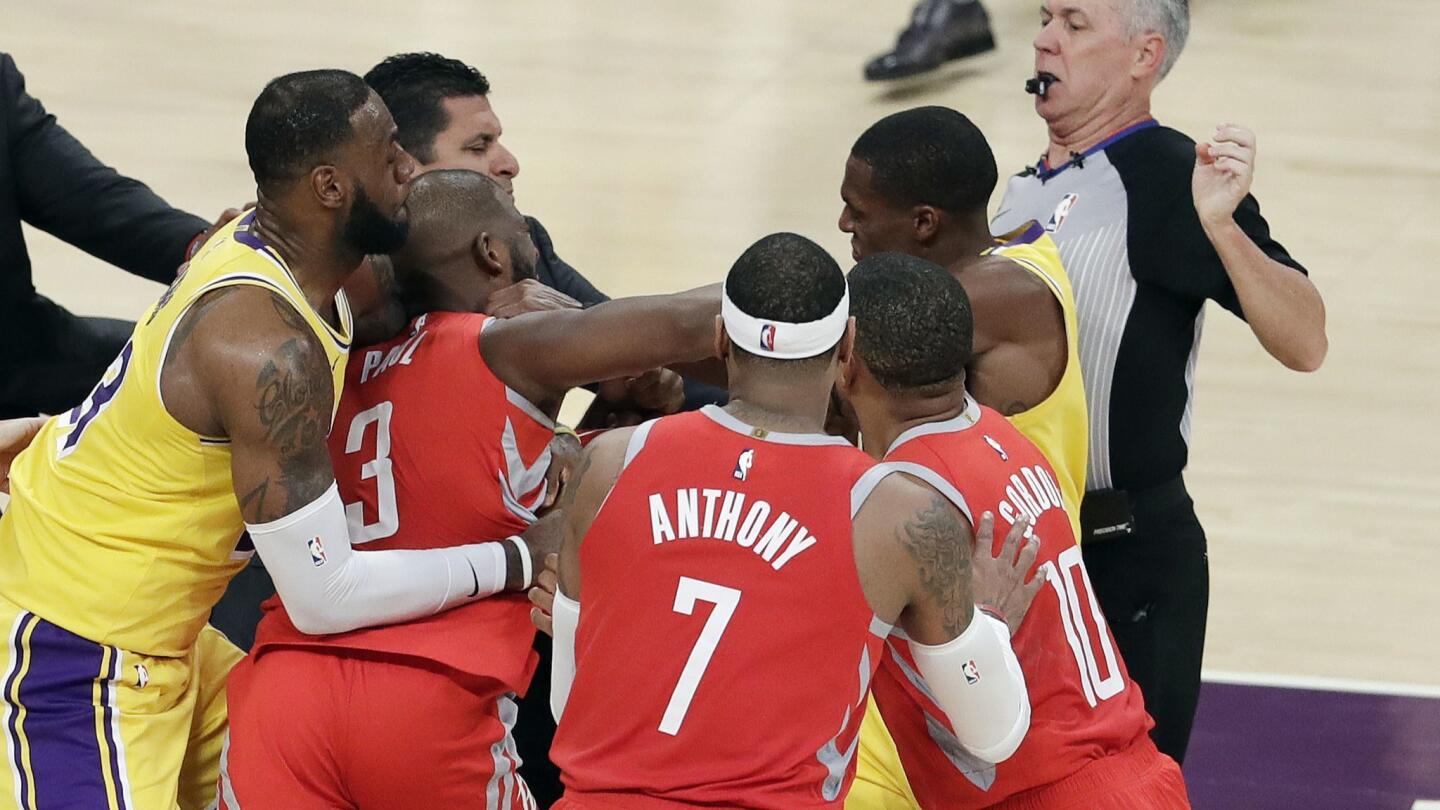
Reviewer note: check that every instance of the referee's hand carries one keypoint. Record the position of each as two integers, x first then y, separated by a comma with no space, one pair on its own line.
1224,169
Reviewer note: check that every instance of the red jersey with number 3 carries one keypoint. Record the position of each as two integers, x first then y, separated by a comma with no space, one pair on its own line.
725,646
431,449
1083,704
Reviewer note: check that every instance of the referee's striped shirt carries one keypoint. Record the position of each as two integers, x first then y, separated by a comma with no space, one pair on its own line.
1142,267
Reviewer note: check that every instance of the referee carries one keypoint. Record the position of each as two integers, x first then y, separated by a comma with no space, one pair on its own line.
1150,227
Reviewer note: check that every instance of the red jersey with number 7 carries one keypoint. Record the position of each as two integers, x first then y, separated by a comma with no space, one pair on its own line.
1083,704
431,449
725,647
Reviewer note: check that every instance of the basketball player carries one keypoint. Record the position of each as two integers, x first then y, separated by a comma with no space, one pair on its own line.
130,512
1088,744
917,182
740,571
442,437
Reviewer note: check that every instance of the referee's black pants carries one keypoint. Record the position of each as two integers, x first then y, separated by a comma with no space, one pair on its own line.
1154,587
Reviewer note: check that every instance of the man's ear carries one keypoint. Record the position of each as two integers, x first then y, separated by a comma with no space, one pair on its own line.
926,222
1149,56
484,250
325,185
722,339
846,350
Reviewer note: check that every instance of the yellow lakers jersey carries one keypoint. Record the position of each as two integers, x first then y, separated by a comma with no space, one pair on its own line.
123,525
1059,425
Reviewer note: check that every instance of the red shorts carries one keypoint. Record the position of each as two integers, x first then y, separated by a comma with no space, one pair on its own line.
1138,778
314,729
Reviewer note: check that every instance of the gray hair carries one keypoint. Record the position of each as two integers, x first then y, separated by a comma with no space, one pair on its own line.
1168,18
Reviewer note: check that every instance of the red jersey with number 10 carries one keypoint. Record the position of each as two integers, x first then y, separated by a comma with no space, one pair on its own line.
725,646
1083,704
431,449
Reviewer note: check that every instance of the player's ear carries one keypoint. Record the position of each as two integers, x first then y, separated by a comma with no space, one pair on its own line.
926,221
722,340
486,252
845,353
325,185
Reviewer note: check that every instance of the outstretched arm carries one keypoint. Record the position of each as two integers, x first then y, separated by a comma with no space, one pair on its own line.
544,354
270,392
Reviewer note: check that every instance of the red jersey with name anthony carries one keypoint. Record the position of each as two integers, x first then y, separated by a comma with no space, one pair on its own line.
725,647
431,449
1083,704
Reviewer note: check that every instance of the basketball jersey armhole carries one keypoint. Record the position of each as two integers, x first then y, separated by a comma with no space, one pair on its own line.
232,280
1072,349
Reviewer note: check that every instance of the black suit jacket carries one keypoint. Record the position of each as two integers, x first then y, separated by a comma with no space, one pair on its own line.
50,180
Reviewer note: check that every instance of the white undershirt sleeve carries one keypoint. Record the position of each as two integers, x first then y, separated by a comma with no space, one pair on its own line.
976,679
329,587
565,615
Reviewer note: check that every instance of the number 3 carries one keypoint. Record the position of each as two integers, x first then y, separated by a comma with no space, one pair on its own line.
687,594
378,468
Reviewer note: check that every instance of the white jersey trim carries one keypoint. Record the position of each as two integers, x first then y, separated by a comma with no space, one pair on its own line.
724,419
965,420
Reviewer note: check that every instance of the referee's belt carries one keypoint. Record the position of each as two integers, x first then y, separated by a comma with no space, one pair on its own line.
1107,514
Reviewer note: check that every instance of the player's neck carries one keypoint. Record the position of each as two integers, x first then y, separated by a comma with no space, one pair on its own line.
903,413
963,245
779,408
320,262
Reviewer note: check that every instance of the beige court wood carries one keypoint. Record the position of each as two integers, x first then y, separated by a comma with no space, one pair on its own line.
657,139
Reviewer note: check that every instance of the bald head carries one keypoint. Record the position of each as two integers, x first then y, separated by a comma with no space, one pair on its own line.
466,239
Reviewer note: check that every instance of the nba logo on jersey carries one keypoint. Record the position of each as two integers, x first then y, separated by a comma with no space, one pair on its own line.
972,671
1061,212
742,465
994,445
767,337
317,551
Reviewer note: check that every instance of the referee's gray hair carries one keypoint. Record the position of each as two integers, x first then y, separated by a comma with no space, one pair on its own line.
1168,18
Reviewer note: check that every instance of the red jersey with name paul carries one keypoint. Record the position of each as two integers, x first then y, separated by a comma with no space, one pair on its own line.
1083,704
431,449
725,647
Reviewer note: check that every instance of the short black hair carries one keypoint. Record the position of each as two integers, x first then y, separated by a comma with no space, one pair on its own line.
785,277
929,156
913,325
415,86
298,121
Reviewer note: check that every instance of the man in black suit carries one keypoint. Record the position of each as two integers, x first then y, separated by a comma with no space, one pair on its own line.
51,358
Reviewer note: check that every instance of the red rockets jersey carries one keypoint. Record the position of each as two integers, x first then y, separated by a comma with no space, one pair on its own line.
725,646
1083,704
431,449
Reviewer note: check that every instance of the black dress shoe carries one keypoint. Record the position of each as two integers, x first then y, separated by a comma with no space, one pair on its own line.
939,31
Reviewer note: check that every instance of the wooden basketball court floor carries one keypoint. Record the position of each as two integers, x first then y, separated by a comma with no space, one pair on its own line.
657,139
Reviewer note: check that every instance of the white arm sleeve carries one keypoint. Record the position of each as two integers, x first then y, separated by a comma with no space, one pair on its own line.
329,587
977,680
566,617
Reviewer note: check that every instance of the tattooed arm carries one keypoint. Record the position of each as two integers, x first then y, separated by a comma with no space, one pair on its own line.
913,550
249,368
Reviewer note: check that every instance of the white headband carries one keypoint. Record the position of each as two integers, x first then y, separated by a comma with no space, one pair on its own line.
781,340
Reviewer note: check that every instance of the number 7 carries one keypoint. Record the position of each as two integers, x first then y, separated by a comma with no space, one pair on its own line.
687,594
